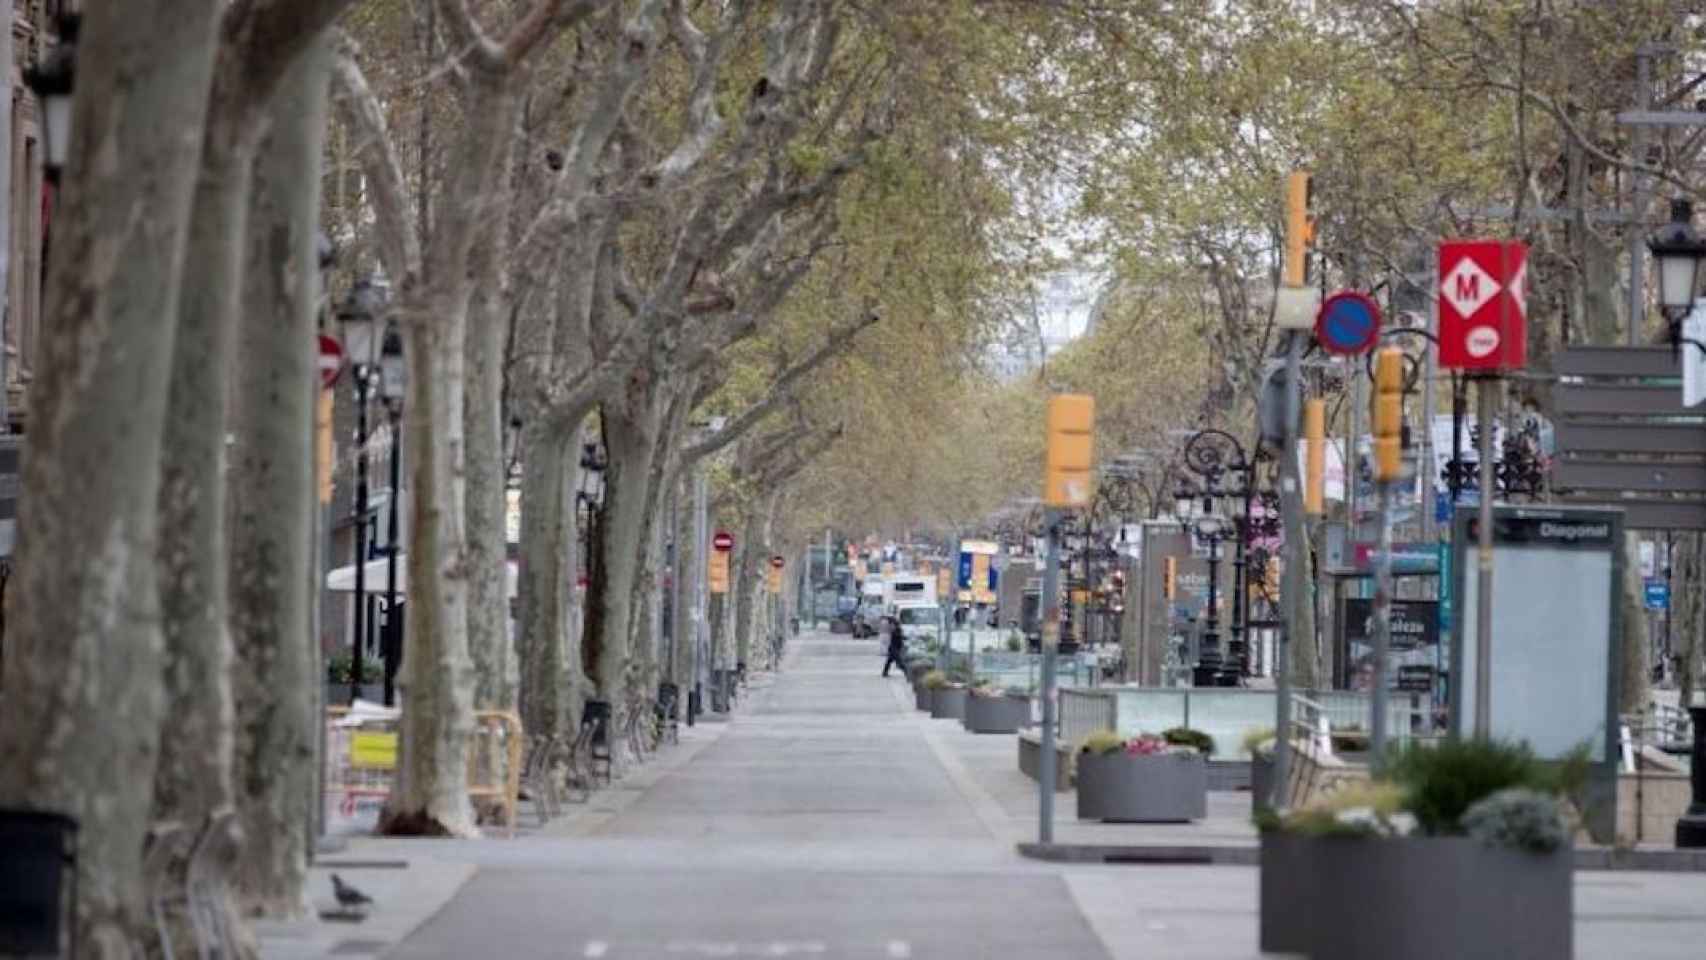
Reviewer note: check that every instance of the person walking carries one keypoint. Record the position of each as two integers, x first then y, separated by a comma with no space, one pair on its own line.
897,647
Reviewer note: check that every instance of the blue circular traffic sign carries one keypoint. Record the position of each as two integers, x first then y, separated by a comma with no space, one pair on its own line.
1348,323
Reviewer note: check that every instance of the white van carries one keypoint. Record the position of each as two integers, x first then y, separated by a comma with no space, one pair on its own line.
905,589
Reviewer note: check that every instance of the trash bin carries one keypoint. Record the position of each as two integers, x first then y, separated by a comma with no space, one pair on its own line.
38,857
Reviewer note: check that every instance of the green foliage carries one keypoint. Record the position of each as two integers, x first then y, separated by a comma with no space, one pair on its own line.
936,680
1360,809
1102,743
1519,819
1258,741
341,666
1189,737
1443,781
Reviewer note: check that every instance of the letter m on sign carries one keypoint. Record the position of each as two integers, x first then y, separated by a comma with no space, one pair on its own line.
1482,305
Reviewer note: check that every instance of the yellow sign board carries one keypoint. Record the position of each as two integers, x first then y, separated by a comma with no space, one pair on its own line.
775,578
718,571
373,751
1069,460
944,582
325,448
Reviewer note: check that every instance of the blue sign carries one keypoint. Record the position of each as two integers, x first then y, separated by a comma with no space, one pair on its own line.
1445,585
1658,595
965,571
1348,323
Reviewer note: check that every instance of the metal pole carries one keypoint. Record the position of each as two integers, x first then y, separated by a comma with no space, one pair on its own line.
393,639
699,592
1637,237
828,567
1430,370
1050,647
1382,632
360,601
1484,567
1294,560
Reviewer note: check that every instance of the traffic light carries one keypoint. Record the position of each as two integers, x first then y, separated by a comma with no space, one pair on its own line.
1299,228
1069,461
1388,414
1170,578
1315,459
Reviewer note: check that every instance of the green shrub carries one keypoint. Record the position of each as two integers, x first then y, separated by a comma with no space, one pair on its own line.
935,680
1359,809
1259,741
341,666
1188,737
1518,819
1015,643
1102,743
1442,782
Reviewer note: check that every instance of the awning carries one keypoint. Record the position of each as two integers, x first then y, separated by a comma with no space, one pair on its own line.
342,579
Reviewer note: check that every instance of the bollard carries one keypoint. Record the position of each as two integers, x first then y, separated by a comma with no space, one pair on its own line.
1691,826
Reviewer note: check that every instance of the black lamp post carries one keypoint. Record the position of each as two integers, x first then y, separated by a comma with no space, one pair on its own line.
358,324
1225,470
393,383
1678,250
53,81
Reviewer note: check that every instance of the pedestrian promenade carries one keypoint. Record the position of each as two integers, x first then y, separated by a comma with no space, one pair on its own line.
827,818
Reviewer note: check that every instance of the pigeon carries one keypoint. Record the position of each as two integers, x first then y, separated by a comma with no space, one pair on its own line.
349,897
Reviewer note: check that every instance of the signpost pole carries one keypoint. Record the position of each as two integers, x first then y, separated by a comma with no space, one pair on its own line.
1382,633
1484,564
1050,646
1291,502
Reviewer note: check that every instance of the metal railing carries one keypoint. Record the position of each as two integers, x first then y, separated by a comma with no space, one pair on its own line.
1083,712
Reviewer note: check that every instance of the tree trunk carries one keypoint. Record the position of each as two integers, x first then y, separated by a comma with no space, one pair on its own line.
273,501
1688,594
1635,672
625,518
436,678
194,775
687,571
80,715
550,660
489,637
746,578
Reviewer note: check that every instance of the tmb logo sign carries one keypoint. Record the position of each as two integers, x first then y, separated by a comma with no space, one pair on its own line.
1483,305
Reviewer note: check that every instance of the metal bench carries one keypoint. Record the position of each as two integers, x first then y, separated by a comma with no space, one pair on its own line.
591,756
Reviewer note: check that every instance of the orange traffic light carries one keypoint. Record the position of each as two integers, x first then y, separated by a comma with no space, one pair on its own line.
1388,419
1315,458
1299,228
1070,456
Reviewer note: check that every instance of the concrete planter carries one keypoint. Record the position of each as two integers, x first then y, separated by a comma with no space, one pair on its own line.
923,695
337,694
1030,761
948,703
1261,780
1413,899
1124,788
1000,714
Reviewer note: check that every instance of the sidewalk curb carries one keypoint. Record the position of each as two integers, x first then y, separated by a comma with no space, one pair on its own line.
1651,861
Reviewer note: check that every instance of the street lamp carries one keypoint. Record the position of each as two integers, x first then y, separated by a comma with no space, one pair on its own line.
53,81
1226,470
1678,250
393,383
357,321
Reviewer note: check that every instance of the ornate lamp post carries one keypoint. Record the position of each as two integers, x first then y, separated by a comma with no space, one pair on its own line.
54,83
357,320
393,384
1223,470
1678,250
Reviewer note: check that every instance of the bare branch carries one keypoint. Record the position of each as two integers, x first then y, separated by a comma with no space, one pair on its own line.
780,390
399,247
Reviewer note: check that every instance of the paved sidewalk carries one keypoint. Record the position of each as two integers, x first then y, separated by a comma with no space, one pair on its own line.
828,819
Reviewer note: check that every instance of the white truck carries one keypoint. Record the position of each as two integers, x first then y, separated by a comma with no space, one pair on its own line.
909,589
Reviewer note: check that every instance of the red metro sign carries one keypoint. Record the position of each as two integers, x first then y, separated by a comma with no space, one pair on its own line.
1483,305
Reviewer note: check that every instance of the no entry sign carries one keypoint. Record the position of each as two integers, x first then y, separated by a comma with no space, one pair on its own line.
1483,305
723,541
1348,323
331,360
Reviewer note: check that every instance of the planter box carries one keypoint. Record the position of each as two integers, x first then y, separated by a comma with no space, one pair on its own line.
1132,789
948,703
1337,898
997,714
337,694
1261,781
1030,762
923,695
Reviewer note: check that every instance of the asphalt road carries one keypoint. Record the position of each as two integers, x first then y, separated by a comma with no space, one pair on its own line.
820,824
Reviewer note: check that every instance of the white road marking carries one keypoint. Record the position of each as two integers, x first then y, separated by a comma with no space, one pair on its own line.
900,949
595,948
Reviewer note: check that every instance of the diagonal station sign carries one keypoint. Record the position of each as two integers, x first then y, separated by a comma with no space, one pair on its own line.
1483,290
